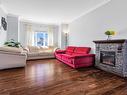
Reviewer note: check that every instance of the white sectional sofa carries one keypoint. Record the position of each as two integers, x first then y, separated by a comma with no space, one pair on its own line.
12,58
35,52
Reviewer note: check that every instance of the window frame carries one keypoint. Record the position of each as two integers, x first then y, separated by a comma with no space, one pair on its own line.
45,42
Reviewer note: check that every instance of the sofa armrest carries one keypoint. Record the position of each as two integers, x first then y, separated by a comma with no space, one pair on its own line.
13,53
55,49
25,50
60,51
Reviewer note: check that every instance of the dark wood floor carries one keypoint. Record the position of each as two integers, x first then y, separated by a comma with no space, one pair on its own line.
51,77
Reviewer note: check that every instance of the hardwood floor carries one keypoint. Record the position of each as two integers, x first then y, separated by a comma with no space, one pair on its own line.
51,77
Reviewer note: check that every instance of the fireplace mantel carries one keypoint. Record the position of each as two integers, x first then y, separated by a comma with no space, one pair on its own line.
110,41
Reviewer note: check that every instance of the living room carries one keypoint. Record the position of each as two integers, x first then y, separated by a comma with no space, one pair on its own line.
63,47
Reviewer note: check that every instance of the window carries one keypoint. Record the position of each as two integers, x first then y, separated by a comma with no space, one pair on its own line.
40,39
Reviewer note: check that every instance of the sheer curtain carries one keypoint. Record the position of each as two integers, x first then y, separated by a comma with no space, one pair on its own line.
29,35
50,35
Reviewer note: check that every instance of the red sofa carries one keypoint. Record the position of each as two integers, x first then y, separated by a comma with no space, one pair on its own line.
76,57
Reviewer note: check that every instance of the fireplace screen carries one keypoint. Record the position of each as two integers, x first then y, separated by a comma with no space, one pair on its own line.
107,57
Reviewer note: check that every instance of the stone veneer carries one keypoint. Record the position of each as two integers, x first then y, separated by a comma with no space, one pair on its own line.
120,49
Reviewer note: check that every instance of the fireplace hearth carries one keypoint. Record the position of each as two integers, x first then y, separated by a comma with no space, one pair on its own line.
107,57
111,56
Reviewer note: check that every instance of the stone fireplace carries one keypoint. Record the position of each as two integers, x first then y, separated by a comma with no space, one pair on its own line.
111,56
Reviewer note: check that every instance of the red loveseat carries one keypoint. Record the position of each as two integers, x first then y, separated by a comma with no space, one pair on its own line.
76,57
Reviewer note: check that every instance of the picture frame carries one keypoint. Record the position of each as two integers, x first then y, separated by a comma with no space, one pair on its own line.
4,23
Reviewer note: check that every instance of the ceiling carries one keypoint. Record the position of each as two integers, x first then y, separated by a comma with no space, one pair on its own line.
51,11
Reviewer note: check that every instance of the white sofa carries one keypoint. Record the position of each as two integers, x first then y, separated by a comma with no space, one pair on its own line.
12,58
36,52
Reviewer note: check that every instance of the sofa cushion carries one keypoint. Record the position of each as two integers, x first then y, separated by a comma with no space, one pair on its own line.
47,49
70,50
67,58
51,47
43,48
74,55
82,50
59,56
31,54
33,48
82,55
45,53
69,53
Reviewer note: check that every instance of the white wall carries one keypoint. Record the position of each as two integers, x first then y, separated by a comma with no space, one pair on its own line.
55,35
12,31
22,34
63,28
3,33
92,26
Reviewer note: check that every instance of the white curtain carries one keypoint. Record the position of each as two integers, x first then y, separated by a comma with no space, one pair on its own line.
50,35
29,35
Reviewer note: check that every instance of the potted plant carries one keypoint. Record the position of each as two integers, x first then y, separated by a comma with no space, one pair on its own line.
110,33
12,43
